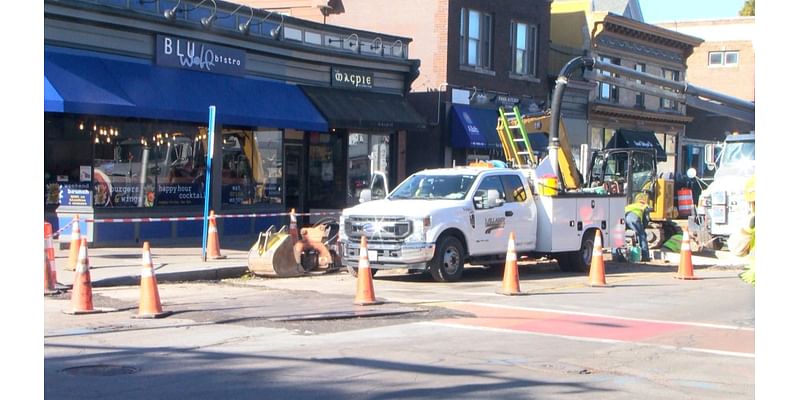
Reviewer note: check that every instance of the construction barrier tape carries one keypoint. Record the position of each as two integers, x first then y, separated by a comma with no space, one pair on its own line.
172,219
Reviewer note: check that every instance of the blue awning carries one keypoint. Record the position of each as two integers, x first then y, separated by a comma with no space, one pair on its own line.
53,102
101,84
474,128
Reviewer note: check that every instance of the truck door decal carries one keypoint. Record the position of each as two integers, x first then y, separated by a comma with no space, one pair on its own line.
494,223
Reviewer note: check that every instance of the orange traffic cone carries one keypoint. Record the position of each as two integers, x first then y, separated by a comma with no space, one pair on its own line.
365,293
511,272
685,268
82,288
49,261
293,227
49,286
149,300
597,272
75,244
213,238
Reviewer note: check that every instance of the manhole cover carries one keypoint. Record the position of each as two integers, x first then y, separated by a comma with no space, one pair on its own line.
100,370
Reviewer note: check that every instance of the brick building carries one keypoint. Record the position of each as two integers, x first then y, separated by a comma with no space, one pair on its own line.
580,28
724,62
475,55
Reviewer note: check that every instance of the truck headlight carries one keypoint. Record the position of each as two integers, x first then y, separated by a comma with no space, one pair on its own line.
704,201
420,229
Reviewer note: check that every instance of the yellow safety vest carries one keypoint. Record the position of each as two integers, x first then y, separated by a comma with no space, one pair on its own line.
636,208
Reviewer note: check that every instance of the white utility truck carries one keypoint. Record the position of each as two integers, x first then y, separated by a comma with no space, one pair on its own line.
440,219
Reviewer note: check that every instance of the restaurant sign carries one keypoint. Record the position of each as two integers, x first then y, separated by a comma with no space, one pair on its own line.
348,78
177,52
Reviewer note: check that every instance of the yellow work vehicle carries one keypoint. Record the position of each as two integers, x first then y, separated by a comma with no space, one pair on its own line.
622,170
615,170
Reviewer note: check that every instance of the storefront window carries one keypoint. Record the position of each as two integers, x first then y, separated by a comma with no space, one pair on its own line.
366,154
67,152
148,165
251,167
325,181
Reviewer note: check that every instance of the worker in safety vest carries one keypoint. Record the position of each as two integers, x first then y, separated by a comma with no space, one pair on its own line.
637,215
749,274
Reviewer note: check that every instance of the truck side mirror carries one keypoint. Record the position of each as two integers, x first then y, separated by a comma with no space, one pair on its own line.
379,186
691,173
479,200
364,196
493,199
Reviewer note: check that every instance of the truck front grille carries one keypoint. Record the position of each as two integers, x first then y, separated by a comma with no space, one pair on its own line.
389,229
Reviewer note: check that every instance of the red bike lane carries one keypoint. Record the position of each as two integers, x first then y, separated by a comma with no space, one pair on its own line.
689,336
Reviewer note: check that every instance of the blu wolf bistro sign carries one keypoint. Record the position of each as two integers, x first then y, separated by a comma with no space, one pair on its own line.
190,54
351,79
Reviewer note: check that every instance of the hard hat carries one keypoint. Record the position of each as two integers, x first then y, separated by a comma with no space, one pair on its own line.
641,198
750,190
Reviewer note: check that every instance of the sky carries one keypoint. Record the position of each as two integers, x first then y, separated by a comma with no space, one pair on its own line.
681,10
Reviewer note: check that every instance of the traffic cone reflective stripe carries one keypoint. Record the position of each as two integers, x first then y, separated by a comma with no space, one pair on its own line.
149,300
213,237
685,268
511,272
597,271
49,286
75,244
365,293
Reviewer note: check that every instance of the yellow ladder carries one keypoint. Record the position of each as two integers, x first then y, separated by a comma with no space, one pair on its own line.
514,138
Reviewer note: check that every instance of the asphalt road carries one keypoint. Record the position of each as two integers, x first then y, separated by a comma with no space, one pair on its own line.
646,334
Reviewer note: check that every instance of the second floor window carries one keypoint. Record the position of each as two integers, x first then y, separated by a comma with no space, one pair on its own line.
607,91
476,42
523,44
723,58
675,76
640,95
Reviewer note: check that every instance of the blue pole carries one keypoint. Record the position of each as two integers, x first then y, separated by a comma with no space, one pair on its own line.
212,112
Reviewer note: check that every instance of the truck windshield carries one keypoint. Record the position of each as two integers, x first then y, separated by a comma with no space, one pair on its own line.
738,151
422,186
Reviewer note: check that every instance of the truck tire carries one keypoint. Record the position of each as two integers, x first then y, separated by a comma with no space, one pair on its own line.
581,259
448,260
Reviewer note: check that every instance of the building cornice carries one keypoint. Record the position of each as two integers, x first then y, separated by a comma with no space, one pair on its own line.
623,112
650,33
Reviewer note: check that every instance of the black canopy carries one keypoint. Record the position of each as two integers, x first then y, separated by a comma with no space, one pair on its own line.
624,138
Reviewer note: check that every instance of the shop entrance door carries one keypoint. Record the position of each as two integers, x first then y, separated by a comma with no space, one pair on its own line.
294,177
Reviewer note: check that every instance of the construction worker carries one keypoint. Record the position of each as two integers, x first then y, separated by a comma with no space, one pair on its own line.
637,215
749,274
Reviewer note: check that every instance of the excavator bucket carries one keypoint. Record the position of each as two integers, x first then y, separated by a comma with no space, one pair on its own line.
273,255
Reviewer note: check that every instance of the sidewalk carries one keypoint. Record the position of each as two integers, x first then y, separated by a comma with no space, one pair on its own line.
121,266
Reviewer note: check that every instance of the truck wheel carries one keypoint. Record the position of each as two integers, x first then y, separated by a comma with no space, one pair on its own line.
448,260
580,260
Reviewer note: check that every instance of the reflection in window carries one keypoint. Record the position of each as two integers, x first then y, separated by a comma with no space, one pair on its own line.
165,166
366,154
251,167
325,181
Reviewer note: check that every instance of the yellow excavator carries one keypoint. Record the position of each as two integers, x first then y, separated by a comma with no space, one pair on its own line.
613,170
616,169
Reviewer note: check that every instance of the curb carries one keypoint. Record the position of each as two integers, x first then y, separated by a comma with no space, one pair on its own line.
212,274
